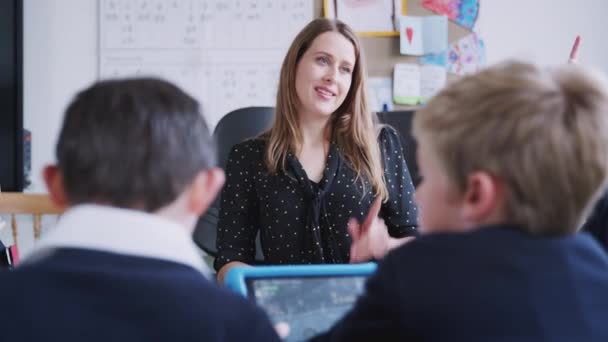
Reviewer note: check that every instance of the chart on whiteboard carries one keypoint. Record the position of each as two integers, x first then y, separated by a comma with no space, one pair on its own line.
225,53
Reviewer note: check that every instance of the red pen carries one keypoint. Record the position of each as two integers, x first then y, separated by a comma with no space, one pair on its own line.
574,50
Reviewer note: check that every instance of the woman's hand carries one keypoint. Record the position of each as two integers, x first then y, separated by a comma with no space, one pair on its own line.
370,239
368,242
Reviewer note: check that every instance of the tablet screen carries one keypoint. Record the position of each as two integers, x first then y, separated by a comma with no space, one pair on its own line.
310,304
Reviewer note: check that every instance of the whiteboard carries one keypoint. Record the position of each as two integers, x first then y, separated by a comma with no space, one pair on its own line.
225,53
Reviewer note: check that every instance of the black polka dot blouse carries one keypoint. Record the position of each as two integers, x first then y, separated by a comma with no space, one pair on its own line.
300,221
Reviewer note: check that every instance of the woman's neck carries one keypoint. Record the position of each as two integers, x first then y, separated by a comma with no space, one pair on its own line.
314,131
315,144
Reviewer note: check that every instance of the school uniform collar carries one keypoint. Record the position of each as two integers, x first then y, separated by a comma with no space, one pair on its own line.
122,231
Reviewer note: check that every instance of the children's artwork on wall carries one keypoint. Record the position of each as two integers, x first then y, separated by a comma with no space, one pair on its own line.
423,35
380,93
463,57
462,12
414,84
367,17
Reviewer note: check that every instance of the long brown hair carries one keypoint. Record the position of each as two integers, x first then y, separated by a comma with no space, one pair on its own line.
351,126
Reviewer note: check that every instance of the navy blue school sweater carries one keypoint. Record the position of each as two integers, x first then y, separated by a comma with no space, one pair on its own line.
72,294
492,284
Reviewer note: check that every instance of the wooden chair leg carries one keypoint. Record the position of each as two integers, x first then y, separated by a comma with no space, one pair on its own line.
14,228
36,226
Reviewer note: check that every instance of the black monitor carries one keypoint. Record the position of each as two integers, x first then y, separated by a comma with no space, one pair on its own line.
11,94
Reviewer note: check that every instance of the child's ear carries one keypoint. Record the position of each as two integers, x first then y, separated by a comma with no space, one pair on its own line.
54,184
205,187
483,199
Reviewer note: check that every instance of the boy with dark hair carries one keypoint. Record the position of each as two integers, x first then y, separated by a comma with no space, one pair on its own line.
135,171
511,159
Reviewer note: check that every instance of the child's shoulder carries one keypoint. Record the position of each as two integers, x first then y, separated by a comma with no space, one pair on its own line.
491,241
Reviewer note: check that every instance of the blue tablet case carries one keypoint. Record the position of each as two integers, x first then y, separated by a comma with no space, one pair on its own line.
236,277
309,299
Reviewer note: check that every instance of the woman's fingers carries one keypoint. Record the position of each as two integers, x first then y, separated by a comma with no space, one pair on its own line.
373,212
354,229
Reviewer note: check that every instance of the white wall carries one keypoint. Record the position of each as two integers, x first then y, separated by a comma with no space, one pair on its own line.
61,51
543,30
60,42
60,58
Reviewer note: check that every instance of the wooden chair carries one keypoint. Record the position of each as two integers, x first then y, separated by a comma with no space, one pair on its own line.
33,204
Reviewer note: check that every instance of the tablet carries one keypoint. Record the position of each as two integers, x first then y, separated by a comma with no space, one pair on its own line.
309,298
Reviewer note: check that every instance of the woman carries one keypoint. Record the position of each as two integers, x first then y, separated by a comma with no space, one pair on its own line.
322,162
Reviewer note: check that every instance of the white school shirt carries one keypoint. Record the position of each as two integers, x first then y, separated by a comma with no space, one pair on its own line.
121,231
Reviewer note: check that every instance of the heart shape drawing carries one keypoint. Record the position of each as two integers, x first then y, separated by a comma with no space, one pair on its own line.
409,33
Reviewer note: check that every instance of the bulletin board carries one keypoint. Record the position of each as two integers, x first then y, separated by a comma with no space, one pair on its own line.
382,53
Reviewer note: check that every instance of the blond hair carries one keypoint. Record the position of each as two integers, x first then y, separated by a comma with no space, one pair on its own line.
351,126
544,132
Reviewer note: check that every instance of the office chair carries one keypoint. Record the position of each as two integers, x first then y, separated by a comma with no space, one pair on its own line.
401,121
233,128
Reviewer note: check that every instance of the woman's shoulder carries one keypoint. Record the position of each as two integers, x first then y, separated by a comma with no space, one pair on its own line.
247,153
388,135
253,146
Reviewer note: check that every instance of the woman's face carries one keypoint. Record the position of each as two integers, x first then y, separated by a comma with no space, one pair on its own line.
324,75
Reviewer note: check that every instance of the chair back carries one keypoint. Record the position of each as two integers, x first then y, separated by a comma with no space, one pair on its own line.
401,121
233,128
29,204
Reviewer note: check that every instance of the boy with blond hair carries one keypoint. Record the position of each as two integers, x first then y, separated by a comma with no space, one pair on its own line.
511,160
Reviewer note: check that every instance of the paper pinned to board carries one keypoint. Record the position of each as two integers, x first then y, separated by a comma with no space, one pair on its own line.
432,80
462,12
423,35
367,17
462,57
414,84
406,83
380,93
